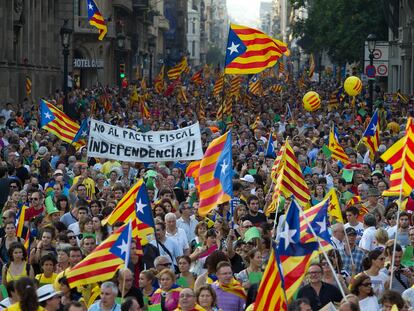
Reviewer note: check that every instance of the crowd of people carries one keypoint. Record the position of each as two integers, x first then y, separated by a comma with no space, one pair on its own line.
201,263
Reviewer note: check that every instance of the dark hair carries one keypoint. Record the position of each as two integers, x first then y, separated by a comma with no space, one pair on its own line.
372,255
10,287
185,257
210,289
127,304
252,197
353,209
213,259
356,283
392,297
389,248
161,224
16,245
222,264
61,198
252,294
48,257
370,220
296,304
27,292
75,304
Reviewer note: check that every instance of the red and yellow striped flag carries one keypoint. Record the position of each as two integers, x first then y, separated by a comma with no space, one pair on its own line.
197,77
28,86
20,221
218,86
270,295
181,96
98,266
338,152
290,180
175,72
401,157
251,51
201,111
159,81
311,66
193,170
281,69
235,84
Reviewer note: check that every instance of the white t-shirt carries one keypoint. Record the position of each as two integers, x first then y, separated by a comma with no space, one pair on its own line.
370,303
378,283
180,238
368,242
359,228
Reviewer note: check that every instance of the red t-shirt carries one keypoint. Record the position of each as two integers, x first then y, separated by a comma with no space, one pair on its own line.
31,213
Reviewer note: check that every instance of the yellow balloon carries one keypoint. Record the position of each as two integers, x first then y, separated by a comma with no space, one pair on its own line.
311,101
353,86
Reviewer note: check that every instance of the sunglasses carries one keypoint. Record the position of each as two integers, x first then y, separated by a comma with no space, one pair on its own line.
71,237
366,284
165,264
34,199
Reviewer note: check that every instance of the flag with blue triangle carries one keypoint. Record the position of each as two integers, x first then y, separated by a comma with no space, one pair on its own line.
270,150
122,245
224,167
83,131
320,223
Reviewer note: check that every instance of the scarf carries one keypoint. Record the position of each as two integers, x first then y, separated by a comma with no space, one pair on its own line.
234,288
174,288
196,308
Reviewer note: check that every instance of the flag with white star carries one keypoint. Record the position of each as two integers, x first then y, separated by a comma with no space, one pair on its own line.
250,51
83,132
143,207
122,245
96,19
320,223
270,150
295,256
57,122
371,135
224,167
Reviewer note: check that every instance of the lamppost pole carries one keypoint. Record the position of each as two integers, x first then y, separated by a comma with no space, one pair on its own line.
151,55
371,39
65,33
120,44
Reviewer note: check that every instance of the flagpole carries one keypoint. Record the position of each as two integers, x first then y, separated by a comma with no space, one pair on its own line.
398,216
350,251
324,253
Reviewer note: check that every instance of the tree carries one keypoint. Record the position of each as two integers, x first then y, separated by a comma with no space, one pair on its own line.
340,27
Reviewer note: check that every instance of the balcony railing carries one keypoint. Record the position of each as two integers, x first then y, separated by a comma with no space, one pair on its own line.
124,4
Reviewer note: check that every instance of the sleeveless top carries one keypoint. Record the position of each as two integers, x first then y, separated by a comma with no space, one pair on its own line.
24,273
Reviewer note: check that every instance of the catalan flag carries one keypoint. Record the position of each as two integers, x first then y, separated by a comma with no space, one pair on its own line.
255,85
234,287
338,152
235,84
181,96
96,19
401,156
201,111
28,86
270,149
218,86
281,69
56,122
371,135
270,295
159,81
27,241
193,170
294,255
403,98
122,245
216,174
175,72
311,66
276,88
98,266
83,132
135,204
197,78
250,51
290,180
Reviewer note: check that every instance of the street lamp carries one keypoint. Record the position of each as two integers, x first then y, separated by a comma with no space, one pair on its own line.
371,39
151,55
65,33
120,45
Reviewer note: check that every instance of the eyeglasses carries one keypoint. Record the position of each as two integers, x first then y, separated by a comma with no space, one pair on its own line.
366,284
71,237
12,186
314,272
4,218
34,199
165,264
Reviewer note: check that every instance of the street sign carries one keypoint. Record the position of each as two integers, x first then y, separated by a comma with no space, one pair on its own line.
382,70
370,71
381,58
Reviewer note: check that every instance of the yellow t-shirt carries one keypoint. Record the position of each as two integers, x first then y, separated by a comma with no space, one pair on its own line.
44,280
89,184
16,307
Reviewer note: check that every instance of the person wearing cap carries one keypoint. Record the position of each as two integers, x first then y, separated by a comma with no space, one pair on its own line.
352,265
49,298
84,179
372,204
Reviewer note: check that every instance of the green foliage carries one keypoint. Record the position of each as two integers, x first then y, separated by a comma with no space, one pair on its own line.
340,27
214,56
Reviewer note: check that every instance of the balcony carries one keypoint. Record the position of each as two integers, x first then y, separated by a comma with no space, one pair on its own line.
161,22
152,31
140,4
123,4
81,26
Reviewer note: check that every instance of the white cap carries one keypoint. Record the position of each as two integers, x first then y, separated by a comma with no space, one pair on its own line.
46,292
248,178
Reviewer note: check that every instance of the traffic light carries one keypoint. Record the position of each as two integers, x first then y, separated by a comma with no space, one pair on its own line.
122,71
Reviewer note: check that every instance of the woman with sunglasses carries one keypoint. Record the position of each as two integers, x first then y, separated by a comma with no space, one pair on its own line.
373,264
361,286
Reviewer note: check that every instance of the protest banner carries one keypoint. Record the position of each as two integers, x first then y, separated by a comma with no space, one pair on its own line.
114,142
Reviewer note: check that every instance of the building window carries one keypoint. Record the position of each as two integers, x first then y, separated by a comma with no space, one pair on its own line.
194,20
193,48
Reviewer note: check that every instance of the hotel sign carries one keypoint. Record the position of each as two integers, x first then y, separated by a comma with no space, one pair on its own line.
88,63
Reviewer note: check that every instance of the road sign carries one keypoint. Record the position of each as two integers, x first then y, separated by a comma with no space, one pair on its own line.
370,71
382,70
377,54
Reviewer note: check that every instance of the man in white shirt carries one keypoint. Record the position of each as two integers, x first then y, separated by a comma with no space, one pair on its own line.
187,222
352,213
338,234
176,234
166,245
368,242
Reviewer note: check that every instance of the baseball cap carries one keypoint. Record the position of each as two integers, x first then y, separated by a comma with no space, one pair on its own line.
350,231
248,178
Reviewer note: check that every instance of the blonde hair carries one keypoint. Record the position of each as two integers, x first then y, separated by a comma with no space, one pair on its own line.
381,236
167,271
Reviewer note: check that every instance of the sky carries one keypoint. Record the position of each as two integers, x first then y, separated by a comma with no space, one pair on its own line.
245,12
